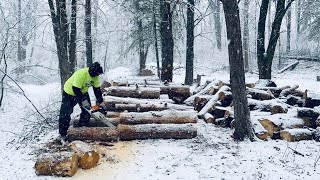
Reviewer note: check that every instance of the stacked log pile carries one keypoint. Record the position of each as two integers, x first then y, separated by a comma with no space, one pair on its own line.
276,112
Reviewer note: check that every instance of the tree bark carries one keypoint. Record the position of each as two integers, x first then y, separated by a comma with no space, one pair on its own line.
87,27
215,5
288,31
73,34
265,57
246,34
146,93
243,127
167,42
156,39
61,33
190,43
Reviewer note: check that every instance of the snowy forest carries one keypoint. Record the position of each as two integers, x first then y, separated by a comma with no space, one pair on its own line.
188,89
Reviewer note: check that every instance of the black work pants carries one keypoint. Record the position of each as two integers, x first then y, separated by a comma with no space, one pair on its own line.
68,102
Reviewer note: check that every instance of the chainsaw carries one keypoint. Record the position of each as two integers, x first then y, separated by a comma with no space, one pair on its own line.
98,114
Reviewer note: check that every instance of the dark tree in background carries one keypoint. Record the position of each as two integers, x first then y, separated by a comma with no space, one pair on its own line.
246,34
243,127
87,26
190,43
265,57
166,41
61,32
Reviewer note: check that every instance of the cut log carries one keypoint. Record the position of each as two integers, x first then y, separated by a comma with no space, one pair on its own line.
220,112
312,99
208,118
190,100
93,133
225,98
309,116
211,102
96,123
290,66
156,131
294,101
120,83
178,93
110,102
57,164
259,94
265,83
201,101
88,157
161,117
140,107
291,91
279,108
134,92
104,86
270,127
308,112
274,90
259,130
293,135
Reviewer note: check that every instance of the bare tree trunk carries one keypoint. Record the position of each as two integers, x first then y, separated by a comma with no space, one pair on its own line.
246,34
215,5
265,57
61,33
288,30
190,43
87,26
22,41
243,127
73,34
141,46
156,39
167,43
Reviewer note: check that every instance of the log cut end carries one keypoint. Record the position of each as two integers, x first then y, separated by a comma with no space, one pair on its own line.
293,135
89,158
269,126
57,164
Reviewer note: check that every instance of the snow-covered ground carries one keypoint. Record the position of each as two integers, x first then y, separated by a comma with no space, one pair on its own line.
211,155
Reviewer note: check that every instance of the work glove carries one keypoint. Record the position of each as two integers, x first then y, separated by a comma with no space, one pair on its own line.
86,104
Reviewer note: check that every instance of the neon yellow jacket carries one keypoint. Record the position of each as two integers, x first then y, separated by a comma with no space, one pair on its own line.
82,80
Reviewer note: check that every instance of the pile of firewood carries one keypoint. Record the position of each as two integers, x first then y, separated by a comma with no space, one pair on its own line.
66,163
276,112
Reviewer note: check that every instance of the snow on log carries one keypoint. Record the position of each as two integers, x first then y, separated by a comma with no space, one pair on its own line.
57,164
177,93
270,127
272,106
97,123
290,66
265,83
293,135
309,116
110,102
294,101
134,92
258,129
274,90
210,87
312,99
292,91
140,107
156,131
120,83
160,117
208,118
88,157
93,133
211,102
259,94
